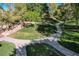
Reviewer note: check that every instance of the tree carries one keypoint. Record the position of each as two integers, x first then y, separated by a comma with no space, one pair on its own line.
64,13
34,12
76,12
33,16
23,12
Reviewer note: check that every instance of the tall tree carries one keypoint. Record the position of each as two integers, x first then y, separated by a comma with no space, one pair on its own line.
34,12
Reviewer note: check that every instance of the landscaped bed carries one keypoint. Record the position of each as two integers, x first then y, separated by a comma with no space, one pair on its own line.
7,49
70,40
42,50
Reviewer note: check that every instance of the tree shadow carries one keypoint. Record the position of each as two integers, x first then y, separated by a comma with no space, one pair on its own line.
46,29
0,45
39,49
73,28
13,52
70,45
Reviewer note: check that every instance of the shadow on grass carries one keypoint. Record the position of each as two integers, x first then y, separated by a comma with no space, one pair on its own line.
41,49
13,52
46,29
73,28
72,37
70,45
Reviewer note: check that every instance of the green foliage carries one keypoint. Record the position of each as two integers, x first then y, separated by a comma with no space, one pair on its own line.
70,40
76,12
41,50
46,29
35,7
23,12
27,33
34,12
67,12
32,15
70,45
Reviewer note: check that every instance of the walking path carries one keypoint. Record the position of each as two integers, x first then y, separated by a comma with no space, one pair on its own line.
20,44
53,41
21,51
62,49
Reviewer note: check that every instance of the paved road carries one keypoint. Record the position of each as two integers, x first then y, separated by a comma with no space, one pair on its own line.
21,51
60,48
53,42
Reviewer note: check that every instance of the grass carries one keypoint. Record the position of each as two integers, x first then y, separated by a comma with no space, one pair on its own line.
70,40
6,48
70,45
46,29
34,32
27,33
70,35
71,22
41,50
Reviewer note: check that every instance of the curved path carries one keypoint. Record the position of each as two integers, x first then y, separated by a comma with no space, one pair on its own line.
20,44
53,41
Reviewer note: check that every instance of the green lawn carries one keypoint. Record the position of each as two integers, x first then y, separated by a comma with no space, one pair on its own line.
27,33
71,22
42,50
34,32
70,35
6,48
70,40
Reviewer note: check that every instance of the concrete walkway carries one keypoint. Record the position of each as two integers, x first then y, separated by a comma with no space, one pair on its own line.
20,44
